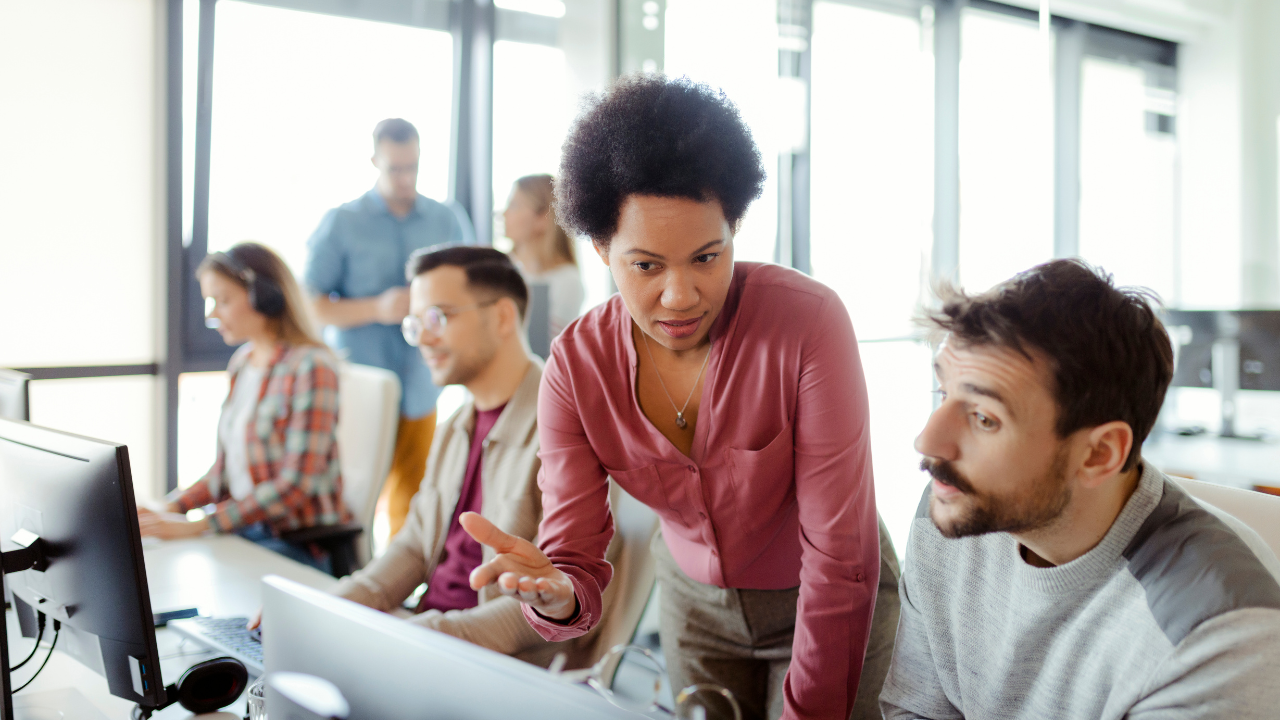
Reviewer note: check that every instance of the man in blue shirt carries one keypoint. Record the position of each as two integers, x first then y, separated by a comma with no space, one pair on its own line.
355,270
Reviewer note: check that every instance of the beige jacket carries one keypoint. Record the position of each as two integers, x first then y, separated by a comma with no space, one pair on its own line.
510,499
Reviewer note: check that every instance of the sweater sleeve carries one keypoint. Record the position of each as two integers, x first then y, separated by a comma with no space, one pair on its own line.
576,523
912,690
1225,668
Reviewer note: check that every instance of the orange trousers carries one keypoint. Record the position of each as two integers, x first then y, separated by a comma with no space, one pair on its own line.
413,444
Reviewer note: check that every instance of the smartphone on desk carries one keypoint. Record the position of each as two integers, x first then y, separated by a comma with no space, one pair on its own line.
162,618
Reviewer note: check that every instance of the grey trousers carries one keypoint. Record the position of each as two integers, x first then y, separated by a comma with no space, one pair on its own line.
741,639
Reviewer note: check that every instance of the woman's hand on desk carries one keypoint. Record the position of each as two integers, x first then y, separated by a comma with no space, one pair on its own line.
521,571
170,526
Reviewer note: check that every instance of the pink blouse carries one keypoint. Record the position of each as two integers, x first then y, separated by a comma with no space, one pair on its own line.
777,491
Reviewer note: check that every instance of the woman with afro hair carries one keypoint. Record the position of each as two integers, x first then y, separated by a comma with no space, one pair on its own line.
728,397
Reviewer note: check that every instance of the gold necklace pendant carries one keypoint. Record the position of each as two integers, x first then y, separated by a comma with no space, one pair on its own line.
680,421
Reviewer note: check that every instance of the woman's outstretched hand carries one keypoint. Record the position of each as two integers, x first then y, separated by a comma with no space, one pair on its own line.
521,571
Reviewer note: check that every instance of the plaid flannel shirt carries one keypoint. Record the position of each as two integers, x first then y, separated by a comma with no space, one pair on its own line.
292,449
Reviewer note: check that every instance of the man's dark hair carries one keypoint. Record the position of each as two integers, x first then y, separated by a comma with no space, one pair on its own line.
650,135
488,270
397,130
1110,354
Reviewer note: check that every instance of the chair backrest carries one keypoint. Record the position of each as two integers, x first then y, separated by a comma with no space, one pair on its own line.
633,575
368,412
1258,511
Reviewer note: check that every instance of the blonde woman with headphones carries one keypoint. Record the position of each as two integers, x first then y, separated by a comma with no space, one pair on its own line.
277,463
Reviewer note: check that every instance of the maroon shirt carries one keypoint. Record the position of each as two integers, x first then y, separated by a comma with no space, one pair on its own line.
450,586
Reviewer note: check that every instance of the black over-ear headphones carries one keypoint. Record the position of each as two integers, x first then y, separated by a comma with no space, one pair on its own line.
264,294
204,688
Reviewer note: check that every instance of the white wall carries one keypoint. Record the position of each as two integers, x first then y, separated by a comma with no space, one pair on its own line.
81,223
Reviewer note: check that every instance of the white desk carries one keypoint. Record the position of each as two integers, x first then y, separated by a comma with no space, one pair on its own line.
1225,461
219,575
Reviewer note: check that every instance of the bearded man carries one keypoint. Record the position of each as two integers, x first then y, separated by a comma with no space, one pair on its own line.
1051,573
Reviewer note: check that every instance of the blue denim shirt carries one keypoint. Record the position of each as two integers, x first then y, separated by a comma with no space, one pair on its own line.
360,250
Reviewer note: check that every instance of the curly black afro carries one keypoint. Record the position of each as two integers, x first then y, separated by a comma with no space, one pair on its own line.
650,135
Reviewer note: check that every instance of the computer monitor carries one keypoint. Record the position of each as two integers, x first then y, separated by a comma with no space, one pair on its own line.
388,668
76,495
1192,333
14,401
1259,349
538,319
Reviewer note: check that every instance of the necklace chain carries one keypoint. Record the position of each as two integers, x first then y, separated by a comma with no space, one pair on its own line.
680,421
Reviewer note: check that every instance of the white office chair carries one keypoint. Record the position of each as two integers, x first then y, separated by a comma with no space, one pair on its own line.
1257,511
368,413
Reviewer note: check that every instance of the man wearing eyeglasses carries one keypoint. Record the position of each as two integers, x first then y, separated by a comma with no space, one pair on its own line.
355,262
466,310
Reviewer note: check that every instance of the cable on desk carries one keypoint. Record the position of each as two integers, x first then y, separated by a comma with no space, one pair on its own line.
34,650
57,630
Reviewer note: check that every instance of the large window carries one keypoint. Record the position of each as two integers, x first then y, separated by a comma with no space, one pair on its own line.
904,140
296,96
739,57
1006,147
872,150
1128,161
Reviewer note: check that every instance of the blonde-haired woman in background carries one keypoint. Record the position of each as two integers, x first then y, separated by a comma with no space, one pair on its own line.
542,250
277,463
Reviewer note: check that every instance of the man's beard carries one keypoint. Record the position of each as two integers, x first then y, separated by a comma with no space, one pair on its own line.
468,366
1032,506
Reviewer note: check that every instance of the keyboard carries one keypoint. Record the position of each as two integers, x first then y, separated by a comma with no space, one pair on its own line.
227,635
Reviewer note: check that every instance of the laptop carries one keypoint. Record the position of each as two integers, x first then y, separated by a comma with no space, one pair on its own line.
388,668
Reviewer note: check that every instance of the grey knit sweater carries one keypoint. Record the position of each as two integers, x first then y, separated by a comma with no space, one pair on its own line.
1171,615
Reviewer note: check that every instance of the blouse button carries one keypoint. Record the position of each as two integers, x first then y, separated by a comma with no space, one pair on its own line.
859,577
702,515
693,469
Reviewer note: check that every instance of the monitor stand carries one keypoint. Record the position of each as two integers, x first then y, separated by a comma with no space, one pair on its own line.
1226,380
29,556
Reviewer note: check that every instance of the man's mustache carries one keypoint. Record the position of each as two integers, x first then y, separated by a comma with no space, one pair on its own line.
944,472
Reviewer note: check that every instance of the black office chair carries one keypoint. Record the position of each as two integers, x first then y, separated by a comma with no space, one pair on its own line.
337,540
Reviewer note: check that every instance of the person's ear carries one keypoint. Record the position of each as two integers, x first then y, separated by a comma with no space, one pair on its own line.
602,251
1107,447
508,317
